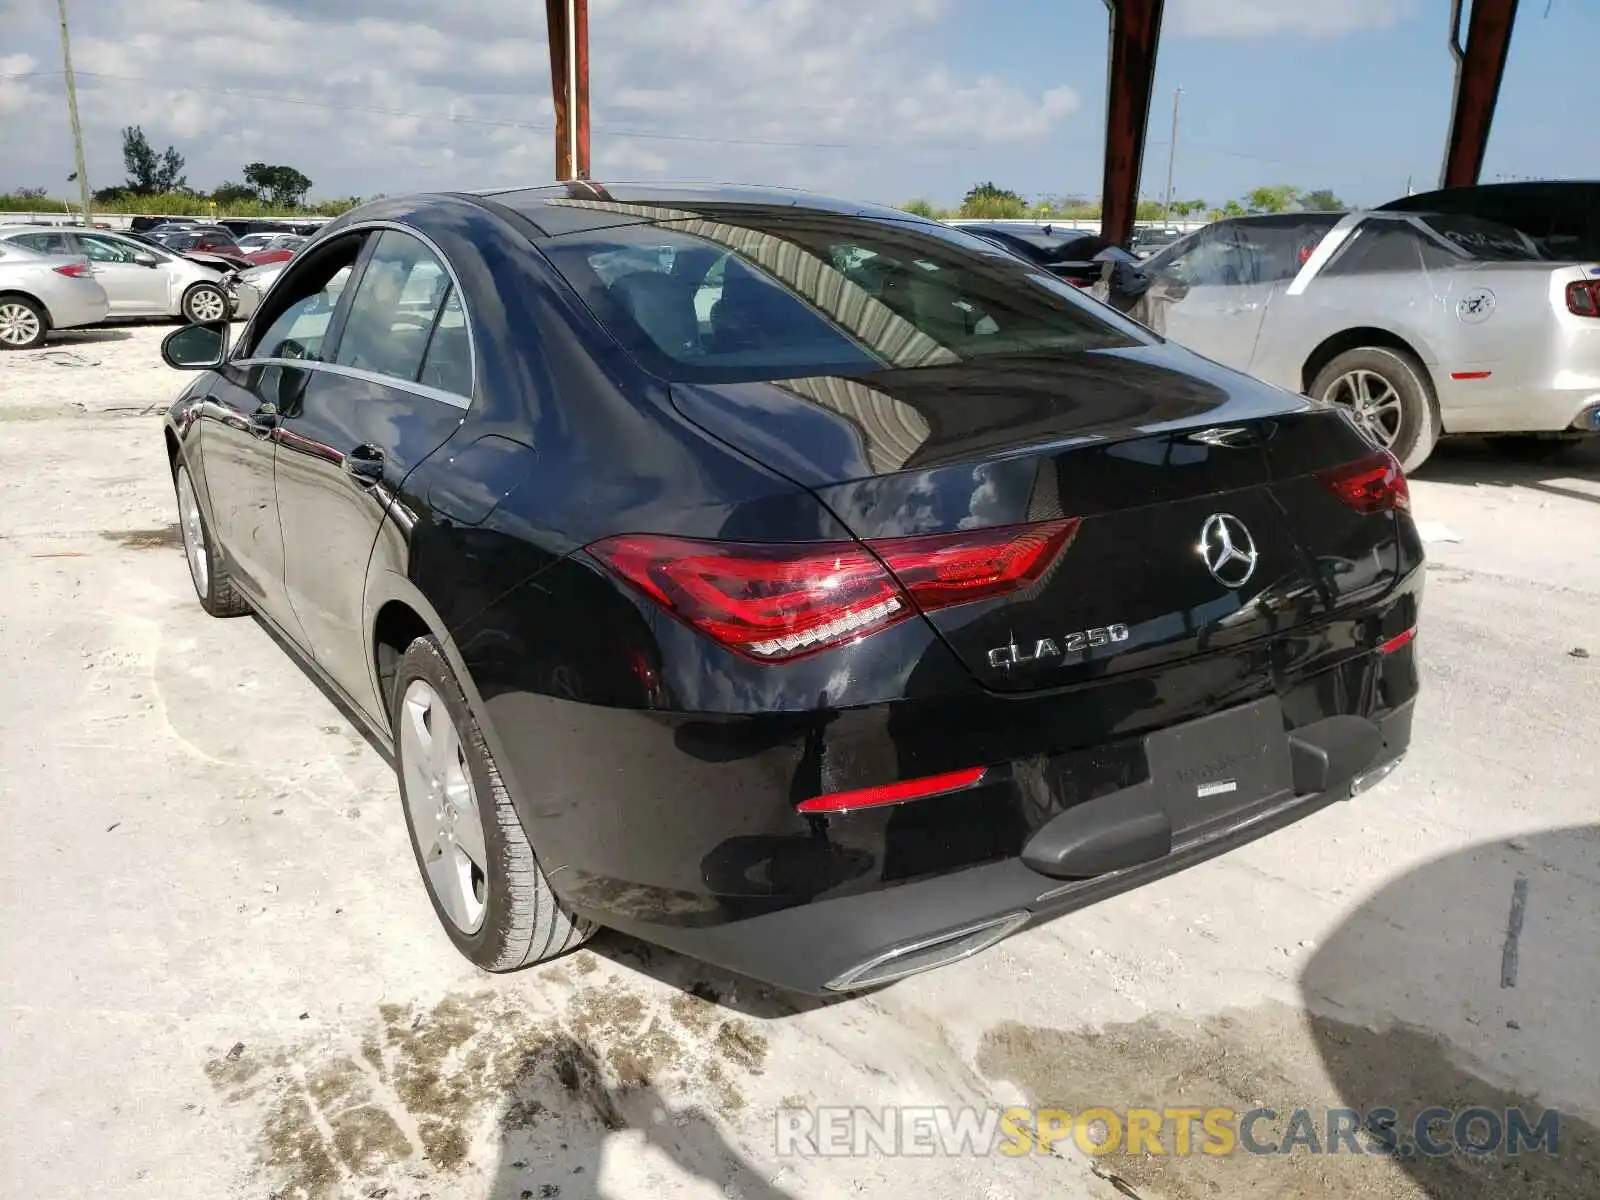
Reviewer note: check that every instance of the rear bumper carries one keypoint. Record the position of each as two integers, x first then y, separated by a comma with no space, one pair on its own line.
863,940
1485,406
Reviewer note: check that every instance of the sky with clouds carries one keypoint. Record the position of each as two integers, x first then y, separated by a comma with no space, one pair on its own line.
883,100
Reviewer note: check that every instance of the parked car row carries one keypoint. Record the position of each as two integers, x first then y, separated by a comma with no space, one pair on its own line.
182,271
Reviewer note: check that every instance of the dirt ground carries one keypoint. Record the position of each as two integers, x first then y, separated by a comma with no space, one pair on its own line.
222,978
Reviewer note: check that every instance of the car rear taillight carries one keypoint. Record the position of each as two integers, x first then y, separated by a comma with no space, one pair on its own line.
1583,298
75,270
1372,484
779,601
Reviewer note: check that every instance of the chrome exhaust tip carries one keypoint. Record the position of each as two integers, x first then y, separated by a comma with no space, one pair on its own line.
924,955
1374,777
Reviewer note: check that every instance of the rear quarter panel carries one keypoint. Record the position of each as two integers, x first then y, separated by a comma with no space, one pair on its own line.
1409,307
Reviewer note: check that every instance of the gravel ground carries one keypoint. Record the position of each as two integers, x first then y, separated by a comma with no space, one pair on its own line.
222,977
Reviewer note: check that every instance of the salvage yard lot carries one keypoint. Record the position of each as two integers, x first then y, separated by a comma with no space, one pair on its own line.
223,978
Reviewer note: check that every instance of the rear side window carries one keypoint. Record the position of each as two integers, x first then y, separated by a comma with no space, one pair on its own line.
392,313
1486,241
1388,248
767,297
45,243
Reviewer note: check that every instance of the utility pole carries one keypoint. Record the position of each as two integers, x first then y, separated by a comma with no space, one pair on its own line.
82,175
1172,154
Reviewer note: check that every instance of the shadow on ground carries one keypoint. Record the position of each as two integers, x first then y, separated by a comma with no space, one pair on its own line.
1474,981
1414,1002
1474,461
561,1112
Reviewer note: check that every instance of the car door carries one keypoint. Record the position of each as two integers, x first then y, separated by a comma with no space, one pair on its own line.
1220,313
397,386
134,288
266,377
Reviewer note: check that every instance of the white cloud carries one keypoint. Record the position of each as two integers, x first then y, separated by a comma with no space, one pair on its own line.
1269,18
779,91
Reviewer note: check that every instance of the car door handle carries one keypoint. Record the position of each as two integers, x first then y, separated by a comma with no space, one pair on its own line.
264,420
364,464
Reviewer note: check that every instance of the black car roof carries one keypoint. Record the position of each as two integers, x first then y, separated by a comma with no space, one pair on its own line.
584,204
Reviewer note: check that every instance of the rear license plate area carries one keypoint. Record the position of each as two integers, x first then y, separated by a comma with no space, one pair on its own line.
1216,767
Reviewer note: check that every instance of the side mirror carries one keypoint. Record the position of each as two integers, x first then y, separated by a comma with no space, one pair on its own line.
146,260
196,347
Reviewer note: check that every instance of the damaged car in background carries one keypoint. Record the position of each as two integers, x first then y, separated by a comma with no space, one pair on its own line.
1419,325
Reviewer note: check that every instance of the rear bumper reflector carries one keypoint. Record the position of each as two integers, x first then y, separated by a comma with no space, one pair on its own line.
1470,374
1398,640
894,793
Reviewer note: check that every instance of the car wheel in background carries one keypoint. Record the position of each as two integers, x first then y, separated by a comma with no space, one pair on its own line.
1389,395
203,303
212,583
23,323
1531,448
477,864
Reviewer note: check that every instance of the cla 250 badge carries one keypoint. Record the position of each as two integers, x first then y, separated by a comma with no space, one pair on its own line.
1003,658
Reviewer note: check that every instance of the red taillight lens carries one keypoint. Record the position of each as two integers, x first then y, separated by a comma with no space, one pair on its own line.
75,270
1583,298
894,793
1372,484
780,601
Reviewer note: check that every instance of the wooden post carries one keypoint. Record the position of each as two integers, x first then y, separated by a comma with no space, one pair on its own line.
567,26
1135,37
1480,66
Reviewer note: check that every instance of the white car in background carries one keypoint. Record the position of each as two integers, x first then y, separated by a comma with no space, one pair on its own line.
140,279
41,292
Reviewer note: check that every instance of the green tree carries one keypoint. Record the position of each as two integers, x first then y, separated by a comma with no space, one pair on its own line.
1322,200
150,173
920,207
987,200
283,186
1275,199
233,193
1187,208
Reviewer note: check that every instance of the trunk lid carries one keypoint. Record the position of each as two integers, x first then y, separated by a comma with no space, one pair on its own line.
1156,452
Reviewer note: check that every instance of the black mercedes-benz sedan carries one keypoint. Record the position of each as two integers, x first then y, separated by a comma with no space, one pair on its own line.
807,587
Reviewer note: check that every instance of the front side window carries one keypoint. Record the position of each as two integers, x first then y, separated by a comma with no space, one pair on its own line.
724,300
1210,258
394,309
104,249
294,322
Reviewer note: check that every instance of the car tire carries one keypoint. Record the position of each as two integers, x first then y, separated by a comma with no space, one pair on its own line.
1399,410
1529,448
501,914
23,323
204,303
212,584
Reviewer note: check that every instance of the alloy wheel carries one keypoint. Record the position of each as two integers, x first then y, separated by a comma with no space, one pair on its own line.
206,304
442,806
194,534
19,324
1372,400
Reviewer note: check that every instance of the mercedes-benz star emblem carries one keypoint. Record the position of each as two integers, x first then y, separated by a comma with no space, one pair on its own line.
1228,550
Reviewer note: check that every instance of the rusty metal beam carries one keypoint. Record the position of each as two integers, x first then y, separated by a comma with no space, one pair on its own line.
567,29
1480,66
1135,37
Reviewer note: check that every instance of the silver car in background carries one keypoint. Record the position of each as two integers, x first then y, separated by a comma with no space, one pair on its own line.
140,279
41,292
1421,325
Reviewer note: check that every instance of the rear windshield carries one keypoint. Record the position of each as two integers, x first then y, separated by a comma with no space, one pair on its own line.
1487,241
728,299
